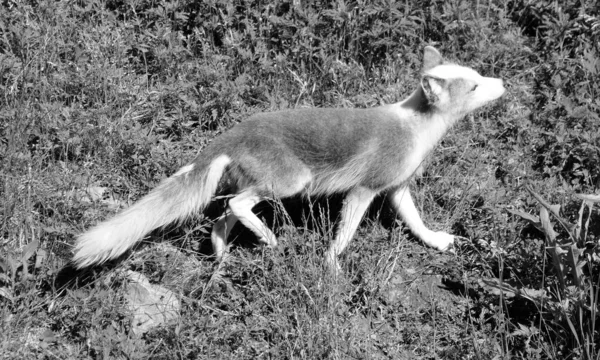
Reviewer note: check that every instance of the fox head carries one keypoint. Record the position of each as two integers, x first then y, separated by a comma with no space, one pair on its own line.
455,89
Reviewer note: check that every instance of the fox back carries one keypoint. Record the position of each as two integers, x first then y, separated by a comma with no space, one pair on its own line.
318,151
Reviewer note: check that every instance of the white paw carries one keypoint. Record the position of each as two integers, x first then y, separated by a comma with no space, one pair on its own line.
333,265
269,240
441,240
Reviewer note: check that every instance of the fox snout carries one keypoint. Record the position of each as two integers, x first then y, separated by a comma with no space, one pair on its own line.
501,88
495,87
492,89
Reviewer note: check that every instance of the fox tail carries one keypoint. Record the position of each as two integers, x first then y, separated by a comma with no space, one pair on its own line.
188,191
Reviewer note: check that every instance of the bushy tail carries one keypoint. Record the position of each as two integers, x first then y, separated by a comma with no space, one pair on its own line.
176,198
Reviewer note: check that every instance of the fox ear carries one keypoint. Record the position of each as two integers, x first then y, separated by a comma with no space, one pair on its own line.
432,87
431,58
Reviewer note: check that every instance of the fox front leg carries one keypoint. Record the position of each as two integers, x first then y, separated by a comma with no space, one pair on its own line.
403,204
355,205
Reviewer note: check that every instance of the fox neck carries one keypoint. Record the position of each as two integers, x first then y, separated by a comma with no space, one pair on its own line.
427,122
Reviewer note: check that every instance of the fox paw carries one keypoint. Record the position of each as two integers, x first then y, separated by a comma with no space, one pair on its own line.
441,241
270,241
332,264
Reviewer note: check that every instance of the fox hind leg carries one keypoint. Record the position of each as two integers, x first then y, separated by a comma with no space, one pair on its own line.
241,207
290,182
220,233
403,203
355,205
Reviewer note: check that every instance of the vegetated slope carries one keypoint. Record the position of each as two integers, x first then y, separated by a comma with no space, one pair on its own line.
102,99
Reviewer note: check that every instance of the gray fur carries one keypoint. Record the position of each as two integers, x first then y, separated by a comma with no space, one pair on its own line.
334,150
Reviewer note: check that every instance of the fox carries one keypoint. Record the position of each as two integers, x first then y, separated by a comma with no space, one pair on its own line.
359,153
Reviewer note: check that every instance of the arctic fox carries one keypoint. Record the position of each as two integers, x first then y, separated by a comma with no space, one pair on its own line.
317,152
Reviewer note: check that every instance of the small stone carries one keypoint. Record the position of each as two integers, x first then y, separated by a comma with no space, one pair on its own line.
150,305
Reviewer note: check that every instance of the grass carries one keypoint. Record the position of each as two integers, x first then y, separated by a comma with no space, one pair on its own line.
102,99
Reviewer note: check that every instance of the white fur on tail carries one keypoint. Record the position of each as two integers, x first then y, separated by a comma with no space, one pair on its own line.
174,199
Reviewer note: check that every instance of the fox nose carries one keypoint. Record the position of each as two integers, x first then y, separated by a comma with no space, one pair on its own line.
501,86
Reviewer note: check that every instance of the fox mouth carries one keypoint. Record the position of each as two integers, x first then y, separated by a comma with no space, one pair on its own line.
497,102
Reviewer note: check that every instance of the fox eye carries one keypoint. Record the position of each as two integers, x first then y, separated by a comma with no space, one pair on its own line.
474,87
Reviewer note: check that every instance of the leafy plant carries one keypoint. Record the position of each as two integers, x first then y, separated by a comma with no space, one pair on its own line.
567,299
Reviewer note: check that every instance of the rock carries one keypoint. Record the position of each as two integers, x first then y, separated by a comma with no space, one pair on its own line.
150,305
